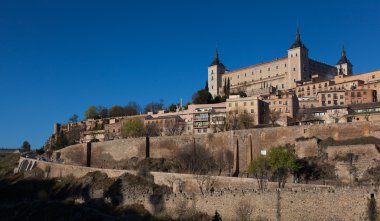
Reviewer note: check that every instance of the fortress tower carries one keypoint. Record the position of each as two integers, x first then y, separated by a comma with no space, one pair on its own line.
215,71
298,60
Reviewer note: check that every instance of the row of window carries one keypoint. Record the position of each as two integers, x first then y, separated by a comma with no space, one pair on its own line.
279,102
280,110
244,104
335,96
335,102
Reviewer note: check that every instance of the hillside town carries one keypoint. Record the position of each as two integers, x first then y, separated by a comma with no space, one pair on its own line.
292,90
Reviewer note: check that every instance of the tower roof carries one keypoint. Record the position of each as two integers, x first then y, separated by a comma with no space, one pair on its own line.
216,60
297,43
343,59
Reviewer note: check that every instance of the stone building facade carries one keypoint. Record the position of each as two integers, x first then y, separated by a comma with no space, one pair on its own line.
281,74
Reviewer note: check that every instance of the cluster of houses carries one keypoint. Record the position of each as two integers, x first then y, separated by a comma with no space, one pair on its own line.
340,100
291,90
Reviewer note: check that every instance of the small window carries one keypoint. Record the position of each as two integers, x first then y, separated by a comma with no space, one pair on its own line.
252,111
294,69
245,103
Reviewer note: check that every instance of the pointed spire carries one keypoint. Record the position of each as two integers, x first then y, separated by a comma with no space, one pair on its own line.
297,43
298,37
343,52
343,59
216,60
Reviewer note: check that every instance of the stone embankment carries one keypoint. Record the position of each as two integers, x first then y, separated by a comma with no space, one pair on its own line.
295,202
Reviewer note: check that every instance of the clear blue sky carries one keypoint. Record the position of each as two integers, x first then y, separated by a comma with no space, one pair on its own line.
59,57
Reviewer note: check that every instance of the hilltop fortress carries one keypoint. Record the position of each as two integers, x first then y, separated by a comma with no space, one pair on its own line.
279,74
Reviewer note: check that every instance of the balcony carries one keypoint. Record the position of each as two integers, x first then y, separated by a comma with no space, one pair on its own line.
201,125
200,119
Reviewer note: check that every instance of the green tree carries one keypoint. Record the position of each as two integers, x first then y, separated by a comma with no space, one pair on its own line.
61,141
228,87
91,112
206,86
216,217
132,108
172,108
102,112
116,111
260,169
202,97
372,209
154,106
282,161
133,128
25,146
73,118
245,120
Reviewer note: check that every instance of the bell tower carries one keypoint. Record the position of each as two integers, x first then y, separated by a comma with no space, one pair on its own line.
344,65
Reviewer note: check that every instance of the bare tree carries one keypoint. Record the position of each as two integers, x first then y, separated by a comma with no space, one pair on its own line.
174,128
224,160
273,116
232,121
171,180
218,123
246,120
243,211
195,159
181,208
336,116
205,183
153,129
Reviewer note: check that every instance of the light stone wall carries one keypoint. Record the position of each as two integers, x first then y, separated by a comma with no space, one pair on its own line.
293,203
250,141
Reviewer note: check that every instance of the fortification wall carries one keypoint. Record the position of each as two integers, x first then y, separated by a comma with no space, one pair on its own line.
295,202
365,150
110,154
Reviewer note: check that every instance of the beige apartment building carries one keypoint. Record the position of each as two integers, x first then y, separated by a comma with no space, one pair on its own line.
208,118
331,98
360,96
252,105
285,103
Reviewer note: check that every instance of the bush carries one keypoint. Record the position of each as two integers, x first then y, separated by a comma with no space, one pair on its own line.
133,128
195,159
243,211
